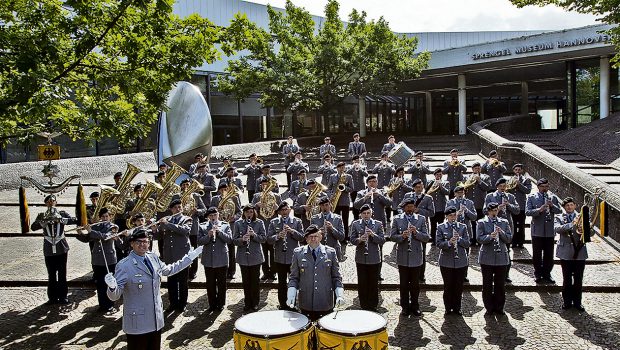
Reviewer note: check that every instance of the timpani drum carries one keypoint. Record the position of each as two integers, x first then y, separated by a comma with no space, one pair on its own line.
273,330
352,329
400,154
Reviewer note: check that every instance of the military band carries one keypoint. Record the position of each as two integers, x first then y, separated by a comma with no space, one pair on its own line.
340,187
266,203
358,174
494,167
289,150
477,192
307,203
357,148
253,172
326,169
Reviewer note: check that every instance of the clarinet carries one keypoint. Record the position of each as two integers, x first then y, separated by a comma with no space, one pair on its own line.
496,247
456,248
215,228
409,240
284,244
366,243
247,243
548,210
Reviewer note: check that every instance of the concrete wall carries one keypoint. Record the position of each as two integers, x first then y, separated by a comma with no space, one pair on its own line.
564,178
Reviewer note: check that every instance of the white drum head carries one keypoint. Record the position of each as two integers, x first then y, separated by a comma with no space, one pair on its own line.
271,323
353,322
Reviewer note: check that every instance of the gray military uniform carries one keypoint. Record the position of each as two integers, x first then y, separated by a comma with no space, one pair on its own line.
495,172
356,148
439,196
294,167
488,255
384,174
455,173
478,192
332,187
317,279
331,237
399,194
404,257
215,251
446,249
511,205
289,148
297,187
379,203
275,189
327,149
298,206
426,206
227,181
469,214
569,237
175,237
419,172
374,242
252,173
542,222
276,225
100,233
326,171
215,202
522,190
358,177
256,251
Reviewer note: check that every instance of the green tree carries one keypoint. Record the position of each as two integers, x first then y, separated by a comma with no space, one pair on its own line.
296,67
608,10
98,68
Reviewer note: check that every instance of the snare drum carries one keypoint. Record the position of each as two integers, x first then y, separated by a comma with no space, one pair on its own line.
400,154
352,329
273,330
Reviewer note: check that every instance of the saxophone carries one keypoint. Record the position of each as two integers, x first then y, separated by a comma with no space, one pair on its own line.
116,204
145,204
313,199
170,188
339,189
188,202
226,206
268,203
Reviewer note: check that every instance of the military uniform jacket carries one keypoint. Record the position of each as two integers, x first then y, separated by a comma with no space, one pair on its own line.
446,249
426,207
54,242
524,187
298,206
99,232
255,257
326,170
275,189
488,255
511,207
542,222
374,242
295,167
441,195
215,251
455,173
221,172
276,225
379,203
564,227
215,202
208,181
317,279
356,148
252,173
384,174
404,257
469,214
297,187
419,172
478,192
495,172
399,194
358,177
331,237
327,149
175,235
142,306
289,148
227,181
388,147
332,187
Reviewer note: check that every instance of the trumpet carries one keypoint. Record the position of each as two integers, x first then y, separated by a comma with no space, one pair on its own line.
455,162
495,162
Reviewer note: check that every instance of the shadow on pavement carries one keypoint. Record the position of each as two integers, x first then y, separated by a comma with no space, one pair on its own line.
408,334
196,328
500,332
517,309
456,325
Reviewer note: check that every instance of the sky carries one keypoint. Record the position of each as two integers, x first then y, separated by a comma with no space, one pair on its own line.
452,15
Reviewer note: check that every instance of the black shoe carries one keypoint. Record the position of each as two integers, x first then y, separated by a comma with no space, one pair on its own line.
488,313
508,280
344,258
273,277
416,312
465,280
63,301
500,312
219,308
192,277
539,280
255,308
51,302
566,306
380,278
580,308
447,312
247,308
549,280
181,308
230,277
405,312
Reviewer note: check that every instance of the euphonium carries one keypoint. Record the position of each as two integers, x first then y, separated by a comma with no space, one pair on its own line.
394,186
105,199
145,204
226,206
188,202
117,203
339,189
313,200
268,203
170,188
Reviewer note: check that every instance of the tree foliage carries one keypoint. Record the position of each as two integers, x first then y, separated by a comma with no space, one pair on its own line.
608,10
296,66
98,68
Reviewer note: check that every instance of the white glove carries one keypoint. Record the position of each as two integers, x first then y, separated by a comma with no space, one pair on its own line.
110,281
291,294
193,254
339,296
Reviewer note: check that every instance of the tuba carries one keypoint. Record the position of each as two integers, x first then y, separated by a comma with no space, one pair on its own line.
268,203
145,204
188,202
313,199
169,187
339,189
227,206
108,193
117,203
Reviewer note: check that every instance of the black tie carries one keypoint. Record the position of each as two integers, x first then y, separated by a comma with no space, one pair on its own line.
314,254
148,264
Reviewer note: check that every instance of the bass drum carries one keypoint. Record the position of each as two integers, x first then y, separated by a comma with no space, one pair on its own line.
400,154
274,330
352,329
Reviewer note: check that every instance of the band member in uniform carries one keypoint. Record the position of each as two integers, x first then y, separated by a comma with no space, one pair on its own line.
301,208
465,214
90,213
159,177
572,253
439,191
226,164
249,235
402,186
367,235
266,174
423,206
331,226
384,171
230,176
477,193
284,234
521,189
315,272
259,201
455,169
295,166
137,279
55,249
298,186
357,148
207,180
198,213
375,198
326,169
419,169
494,235
163,167
103,257
199,159
409,232
327,148
453,243
390,145
117,178
507,207
344,200
494,167
230,218
542,207
358,174
174,231
253,172
288,151
214,236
